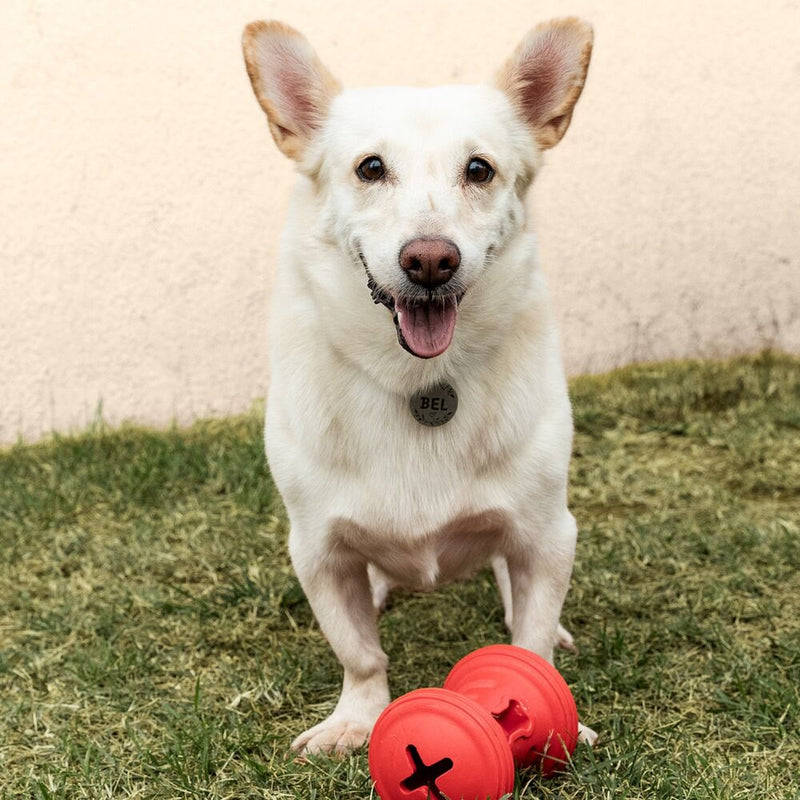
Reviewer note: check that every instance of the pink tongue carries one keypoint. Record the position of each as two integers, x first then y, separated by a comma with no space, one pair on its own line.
427,328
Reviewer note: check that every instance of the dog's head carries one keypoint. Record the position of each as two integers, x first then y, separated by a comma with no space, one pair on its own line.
421,188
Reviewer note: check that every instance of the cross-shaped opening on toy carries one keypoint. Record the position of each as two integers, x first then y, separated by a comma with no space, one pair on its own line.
426,774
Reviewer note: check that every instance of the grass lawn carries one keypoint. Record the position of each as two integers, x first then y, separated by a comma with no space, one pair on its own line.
154,642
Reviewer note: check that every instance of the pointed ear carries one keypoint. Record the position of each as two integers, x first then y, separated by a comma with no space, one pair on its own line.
291,84
545,76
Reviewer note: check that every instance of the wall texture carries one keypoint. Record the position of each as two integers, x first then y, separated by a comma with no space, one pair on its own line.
141,196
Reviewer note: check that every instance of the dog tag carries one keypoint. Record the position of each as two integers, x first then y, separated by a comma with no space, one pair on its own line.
435,405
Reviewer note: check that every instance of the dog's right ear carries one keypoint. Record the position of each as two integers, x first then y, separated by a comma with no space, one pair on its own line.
291,84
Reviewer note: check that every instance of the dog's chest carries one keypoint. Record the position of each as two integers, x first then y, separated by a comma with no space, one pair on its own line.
341,444
396,475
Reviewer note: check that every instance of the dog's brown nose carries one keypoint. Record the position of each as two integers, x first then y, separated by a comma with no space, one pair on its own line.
430,261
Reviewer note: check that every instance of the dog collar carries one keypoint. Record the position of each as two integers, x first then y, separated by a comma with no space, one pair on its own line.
434,405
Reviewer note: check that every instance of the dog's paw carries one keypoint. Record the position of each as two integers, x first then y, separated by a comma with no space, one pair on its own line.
564,640
586,735
335,736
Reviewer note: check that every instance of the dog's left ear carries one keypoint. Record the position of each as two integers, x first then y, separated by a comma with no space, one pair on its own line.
545,76
292,85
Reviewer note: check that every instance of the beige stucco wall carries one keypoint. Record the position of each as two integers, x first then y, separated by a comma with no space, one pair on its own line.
141,196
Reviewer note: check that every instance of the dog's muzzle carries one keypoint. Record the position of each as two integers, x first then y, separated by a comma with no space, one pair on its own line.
425,317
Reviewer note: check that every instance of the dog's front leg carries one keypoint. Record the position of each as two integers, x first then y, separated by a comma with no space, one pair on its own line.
337,587
539,578
539,572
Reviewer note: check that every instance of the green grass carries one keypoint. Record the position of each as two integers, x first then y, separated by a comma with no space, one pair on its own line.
154,642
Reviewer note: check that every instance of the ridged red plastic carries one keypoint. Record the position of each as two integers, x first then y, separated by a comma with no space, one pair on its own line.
527,697
430,727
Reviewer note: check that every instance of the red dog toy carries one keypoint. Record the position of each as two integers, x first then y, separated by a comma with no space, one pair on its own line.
500,706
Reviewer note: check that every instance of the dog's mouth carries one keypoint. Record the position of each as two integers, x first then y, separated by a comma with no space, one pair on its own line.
424,323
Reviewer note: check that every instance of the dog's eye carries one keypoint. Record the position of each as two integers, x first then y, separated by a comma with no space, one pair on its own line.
371,169
479,171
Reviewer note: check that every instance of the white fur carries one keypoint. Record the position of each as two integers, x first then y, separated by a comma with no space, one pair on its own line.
374,498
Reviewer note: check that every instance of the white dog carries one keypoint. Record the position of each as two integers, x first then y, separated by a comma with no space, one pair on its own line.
418,423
